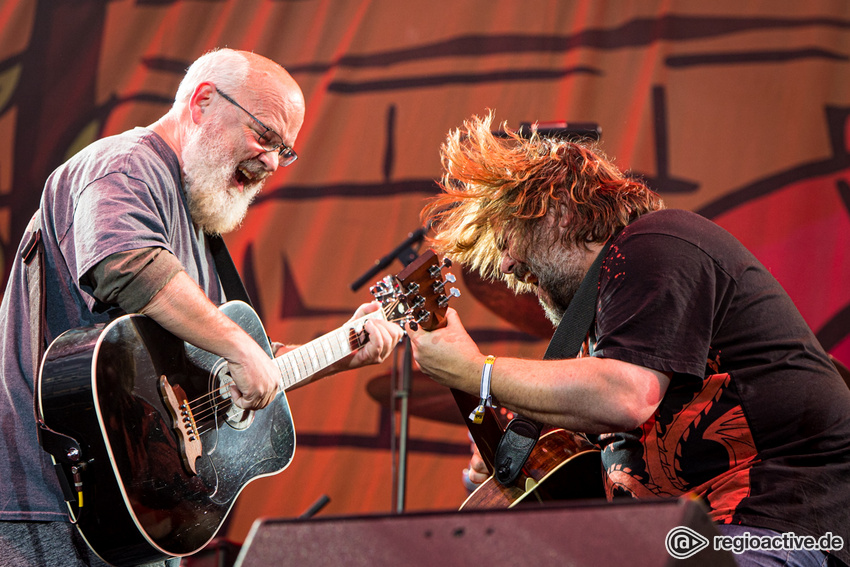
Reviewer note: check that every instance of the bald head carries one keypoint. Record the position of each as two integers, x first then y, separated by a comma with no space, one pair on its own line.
267,83
234,121
253,79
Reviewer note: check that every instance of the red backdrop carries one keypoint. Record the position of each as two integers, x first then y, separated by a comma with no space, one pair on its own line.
734,109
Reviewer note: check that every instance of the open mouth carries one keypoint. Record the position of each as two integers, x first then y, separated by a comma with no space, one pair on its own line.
245,176
524,274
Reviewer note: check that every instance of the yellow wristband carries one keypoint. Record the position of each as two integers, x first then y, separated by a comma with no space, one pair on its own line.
486,400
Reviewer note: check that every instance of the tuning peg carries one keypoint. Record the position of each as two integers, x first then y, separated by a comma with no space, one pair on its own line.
413,325
447,263
383,290
444,300
438,287
423,317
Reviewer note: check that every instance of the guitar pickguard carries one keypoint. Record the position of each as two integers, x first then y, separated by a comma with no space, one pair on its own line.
220,382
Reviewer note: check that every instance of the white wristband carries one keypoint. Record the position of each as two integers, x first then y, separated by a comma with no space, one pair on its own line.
486,400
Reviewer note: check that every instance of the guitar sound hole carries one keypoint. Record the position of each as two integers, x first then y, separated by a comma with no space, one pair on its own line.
235,417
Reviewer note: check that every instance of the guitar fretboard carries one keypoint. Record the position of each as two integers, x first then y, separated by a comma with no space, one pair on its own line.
303,362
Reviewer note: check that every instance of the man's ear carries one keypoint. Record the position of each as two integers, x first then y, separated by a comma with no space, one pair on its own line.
201,99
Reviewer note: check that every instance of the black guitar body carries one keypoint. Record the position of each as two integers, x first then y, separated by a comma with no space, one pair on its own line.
142,500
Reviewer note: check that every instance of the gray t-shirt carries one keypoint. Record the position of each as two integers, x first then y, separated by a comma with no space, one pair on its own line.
118,194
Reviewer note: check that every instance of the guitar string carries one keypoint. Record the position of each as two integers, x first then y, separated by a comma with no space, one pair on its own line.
300,359
214,401
211,401
303,366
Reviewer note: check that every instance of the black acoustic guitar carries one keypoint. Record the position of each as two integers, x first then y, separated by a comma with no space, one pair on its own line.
163,452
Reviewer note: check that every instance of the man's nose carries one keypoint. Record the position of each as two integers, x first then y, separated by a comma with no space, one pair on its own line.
271,160
507,265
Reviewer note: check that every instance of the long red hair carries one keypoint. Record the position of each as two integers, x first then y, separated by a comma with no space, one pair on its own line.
497,188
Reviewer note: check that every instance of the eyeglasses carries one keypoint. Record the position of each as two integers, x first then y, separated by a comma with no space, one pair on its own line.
270,140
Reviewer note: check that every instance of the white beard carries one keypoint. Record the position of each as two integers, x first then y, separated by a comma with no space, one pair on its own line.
215,204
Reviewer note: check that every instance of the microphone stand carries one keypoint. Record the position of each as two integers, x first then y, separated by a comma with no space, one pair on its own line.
403,396
400,395
404,252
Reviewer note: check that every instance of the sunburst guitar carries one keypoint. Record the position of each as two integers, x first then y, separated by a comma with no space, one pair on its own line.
562,466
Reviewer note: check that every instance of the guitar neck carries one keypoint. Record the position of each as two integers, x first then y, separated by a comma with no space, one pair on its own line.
302,362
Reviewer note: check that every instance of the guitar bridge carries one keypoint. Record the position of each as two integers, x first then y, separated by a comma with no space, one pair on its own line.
183,422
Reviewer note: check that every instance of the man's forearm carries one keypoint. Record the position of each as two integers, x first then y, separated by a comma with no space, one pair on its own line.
181,308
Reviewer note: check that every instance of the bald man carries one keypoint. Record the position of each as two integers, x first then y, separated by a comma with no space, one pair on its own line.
126,225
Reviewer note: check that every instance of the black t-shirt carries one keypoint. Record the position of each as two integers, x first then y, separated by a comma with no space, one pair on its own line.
756,420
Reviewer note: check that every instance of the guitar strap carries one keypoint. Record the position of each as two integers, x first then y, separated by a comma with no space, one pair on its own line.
580,314
521,434
64,449
233,286
32,255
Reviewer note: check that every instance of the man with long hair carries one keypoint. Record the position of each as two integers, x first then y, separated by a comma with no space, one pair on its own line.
698,377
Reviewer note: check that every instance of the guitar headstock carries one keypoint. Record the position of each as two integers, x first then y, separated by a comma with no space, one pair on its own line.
417,296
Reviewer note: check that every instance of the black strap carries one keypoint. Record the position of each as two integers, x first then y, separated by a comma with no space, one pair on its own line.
64,449
521,434
571,333
227,272
31,255
514,448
